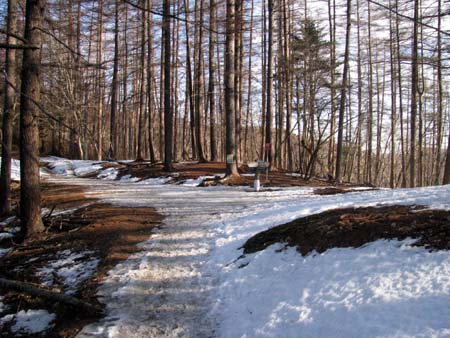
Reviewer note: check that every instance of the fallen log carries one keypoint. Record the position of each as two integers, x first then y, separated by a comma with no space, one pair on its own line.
7,284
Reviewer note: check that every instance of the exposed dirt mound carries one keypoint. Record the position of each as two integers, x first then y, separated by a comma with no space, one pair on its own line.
343,228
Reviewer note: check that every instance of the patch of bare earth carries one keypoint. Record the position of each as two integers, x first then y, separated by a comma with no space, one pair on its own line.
352,227
109,232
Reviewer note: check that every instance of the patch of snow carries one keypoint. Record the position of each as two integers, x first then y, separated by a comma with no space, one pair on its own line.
294,174
81,168
14,230
195,182
66,167
4,251
72,268
7,318
5,235
108,174
32,321
382,289
156,181
7,221
129,178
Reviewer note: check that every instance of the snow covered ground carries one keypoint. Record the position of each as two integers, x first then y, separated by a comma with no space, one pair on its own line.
191,281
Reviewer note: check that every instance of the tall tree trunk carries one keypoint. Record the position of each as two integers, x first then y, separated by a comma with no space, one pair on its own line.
439,99
100,83
369,169
394,101
230,95
168,120
400,97
141,120
8,110
414,87
30,192
198,80
212,79
114,87
150,71
338,174
332,34
269,84
190,92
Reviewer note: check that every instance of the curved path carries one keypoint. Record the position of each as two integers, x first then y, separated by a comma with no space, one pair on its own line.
162,291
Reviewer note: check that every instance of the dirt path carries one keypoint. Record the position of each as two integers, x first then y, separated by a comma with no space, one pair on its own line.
159,291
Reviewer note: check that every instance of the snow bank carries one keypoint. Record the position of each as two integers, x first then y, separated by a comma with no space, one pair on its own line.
384,289
30,321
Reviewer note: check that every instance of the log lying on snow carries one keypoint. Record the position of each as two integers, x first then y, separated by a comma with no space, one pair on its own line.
33,290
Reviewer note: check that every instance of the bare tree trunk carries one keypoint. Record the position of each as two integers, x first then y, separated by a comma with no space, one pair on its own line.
168,120
269,85
212,74
190,92
114,87
338,174
198,79
369,169
414,87
150,96
30,192
141,120
100,83
400,97
230,95
8,110
439,99
394,101
332,33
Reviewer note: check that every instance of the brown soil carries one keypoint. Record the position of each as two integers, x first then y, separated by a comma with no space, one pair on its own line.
344,228
110,232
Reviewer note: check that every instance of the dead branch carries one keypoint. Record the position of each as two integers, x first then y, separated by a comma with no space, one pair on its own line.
7,284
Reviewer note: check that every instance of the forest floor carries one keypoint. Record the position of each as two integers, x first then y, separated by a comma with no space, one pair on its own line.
112,232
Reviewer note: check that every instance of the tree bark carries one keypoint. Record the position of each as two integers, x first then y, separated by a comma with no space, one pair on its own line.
414,88
8,110
30,192
338,175
168,120
211,83
269,84
230,95
114,86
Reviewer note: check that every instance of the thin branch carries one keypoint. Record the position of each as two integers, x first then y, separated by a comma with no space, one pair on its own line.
18,37
39,106
407,17
173,16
